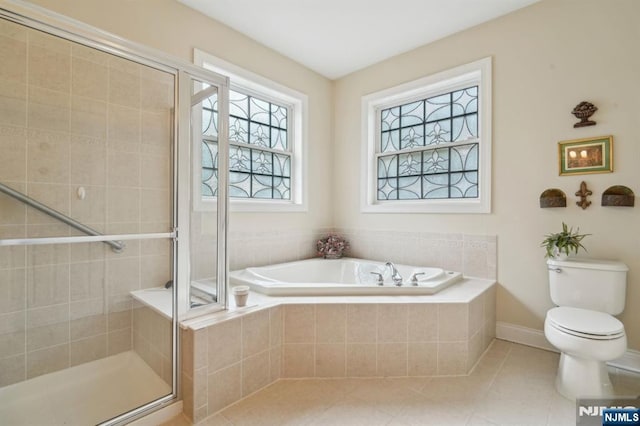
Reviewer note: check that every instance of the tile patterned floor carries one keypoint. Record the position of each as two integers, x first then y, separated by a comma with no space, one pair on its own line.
511,385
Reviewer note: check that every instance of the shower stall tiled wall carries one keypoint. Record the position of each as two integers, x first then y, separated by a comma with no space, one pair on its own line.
90,135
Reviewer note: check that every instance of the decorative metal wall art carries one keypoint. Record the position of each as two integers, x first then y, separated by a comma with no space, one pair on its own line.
618,196
553,197
584,156
583,111
583,193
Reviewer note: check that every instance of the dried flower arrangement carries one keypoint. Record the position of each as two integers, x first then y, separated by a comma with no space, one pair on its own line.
332,247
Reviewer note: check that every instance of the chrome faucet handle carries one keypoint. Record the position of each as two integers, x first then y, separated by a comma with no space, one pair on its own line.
380,279
414,277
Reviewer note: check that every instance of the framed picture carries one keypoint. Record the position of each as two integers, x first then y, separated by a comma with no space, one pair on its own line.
583,156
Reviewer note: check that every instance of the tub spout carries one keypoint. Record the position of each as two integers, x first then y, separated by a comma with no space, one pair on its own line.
395,275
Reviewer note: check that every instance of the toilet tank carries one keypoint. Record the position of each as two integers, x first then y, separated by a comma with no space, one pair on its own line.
599,285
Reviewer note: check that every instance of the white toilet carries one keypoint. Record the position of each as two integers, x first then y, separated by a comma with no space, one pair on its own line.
588,292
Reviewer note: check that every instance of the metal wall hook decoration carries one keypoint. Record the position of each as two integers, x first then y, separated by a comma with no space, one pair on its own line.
583,193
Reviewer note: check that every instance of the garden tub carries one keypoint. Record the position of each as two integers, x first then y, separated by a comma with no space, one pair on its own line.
346,276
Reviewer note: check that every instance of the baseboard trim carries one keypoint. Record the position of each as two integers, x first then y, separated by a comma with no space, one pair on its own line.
630,361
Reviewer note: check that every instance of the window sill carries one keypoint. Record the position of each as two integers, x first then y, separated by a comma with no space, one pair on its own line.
461,206
255,206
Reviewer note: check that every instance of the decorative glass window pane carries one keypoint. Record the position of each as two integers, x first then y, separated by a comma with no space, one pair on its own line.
254,173
416,169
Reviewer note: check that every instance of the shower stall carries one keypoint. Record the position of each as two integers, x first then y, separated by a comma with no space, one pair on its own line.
96,138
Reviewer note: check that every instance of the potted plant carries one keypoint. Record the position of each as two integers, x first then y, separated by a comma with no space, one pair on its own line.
561,244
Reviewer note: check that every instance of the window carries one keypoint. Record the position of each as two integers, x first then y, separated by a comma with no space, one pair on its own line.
266,143
428,144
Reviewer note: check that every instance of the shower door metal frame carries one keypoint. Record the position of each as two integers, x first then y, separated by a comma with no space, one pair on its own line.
41,19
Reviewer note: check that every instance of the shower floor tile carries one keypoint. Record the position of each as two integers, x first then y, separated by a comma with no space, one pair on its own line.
511,385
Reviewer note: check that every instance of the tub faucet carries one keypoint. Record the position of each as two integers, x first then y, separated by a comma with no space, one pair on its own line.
395,275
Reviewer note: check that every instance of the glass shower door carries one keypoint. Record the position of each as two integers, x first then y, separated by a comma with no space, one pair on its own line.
86,323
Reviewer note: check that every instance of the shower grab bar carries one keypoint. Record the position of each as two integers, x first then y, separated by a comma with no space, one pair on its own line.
116,246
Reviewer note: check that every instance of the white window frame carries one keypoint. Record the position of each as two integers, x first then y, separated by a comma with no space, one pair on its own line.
475,73
296,102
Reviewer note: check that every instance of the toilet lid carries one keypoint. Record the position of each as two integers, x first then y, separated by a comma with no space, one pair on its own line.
585,323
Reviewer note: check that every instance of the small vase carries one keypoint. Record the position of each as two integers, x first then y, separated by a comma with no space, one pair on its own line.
333,255
559,255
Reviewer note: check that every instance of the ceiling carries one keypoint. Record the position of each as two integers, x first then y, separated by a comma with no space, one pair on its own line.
337,37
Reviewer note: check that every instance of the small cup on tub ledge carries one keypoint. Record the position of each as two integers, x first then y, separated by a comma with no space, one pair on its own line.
241,294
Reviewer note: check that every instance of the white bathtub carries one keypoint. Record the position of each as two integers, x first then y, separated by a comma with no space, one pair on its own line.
322,277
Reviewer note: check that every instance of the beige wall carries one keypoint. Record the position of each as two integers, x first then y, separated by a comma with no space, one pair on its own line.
176,29
546,59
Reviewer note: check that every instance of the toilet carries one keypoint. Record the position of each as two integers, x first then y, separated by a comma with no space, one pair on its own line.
587,292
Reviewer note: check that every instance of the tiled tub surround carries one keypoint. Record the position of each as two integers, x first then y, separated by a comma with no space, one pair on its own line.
230,355
71,117
152,340
229,360
473,255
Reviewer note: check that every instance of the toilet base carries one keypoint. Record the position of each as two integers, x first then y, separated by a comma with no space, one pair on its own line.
582,378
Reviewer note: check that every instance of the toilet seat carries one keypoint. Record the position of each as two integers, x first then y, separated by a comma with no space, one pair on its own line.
585,323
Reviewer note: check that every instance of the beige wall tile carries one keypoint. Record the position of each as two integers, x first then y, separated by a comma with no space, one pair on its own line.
361,360
423,359
331,359
361,323
48,110
54,196
124,128
187,396
156,206
120,320
200,383
47,254
12,257
475,348
47,335
14,54
224,344
48,157
13,294
119,341
156,133
89,79
392,359
12,212
88,117
392,322
225,387
92,210
124,88
89,349
12,370
299,324
12,334
49,68
255,333
453,322
298,360
47,285
87,161
155,271
255,372
13,145
13,104
156,95
47,360
476,315
156,172
123,275
452,358
275,361
87,280
123,205
276,325
90,326
49,42
331,323
124,169
423,322
200,341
